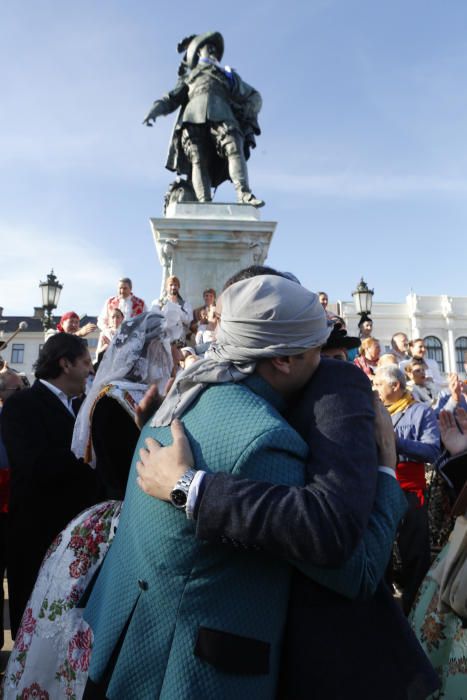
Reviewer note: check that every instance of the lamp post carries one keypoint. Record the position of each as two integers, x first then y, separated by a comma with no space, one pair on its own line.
363,298
50,296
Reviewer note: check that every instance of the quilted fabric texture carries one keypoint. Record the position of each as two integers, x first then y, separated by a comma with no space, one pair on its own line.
163,584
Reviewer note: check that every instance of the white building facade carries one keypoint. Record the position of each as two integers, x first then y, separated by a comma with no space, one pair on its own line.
440,320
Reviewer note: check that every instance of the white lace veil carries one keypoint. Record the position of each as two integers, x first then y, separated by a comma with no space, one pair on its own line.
139,355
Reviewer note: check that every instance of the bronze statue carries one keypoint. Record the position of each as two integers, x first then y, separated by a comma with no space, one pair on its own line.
217,121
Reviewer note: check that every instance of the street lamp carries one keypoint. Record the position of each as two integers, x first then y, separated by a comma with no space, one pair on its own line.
363,298
50,296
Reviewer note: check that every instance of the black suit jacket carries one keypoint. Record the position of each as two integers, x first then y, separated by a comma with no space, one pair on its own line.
49,485
333,648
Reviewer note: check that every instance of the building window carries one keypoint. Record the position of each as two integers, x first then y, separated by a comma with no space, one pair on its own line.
461,355
17,354
434,350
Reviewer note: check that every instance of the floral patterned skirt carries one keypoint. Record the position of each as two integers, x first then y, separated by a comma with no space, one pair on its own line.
439,513
50,658
443,638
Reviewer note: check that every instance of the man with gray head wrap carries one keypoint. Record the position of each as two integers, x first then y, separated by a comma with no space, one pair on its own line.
205,609
320,523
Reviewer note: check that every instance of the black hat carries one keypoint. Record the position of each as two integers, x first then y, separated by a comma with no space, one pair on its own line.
339,339
364,317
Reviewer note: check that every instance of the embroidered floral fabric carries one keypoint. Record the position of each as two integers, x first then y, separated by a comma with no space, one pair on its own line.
444,639
439,513
52,650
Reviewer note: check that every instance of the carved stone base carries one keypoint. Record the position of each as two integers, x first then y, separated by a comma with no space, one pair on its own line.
205,243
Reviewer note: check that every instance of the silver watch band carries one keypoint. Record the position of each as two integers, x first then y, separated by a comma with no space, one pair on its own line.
179,493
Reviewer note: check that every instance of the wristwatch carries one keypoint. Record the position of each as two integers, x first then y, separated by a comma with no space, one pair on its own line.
179,493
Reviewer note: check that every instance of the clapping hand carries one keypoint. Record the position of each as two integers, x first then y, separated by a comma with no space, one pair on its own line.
455,387
453,429
86,329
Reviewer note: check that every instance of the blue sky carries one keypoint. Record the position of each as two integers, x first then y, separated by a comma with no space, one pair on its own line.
362,159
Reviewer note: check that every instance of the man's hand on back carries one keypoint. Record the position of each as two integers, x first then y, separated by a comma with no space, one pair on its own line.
160,468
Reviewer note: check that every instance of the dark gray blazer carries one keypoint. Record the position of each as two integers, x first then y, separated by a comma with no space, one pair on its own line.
323,522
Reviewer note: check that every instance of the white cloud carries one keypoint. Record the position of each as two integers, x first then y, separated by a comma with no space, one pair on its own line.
88,273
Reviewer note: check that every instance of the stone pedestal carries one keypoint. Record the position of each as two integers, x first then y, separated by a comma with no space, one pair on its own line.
205,243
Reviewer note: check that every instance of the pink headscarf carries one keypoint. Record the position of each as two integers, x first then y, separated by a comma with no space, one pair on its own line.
65,317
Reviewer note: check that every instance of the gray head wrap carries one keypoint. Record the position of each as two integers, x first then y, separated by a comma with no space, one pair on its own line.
265,316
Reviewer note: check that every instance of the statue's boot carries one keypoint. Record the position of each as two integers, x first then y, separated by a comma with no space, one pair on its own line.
249,198
239,175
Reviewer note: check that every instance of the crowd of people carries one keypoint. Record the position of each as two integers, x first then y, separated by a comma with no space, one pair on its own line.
235,499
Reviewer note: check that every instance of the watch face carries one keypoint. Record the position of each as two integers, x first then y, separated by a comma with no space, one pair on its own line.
178,498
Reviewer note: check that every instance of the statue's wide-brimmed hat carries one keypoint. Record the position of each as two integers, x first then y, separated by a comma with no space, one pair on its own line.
215,38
